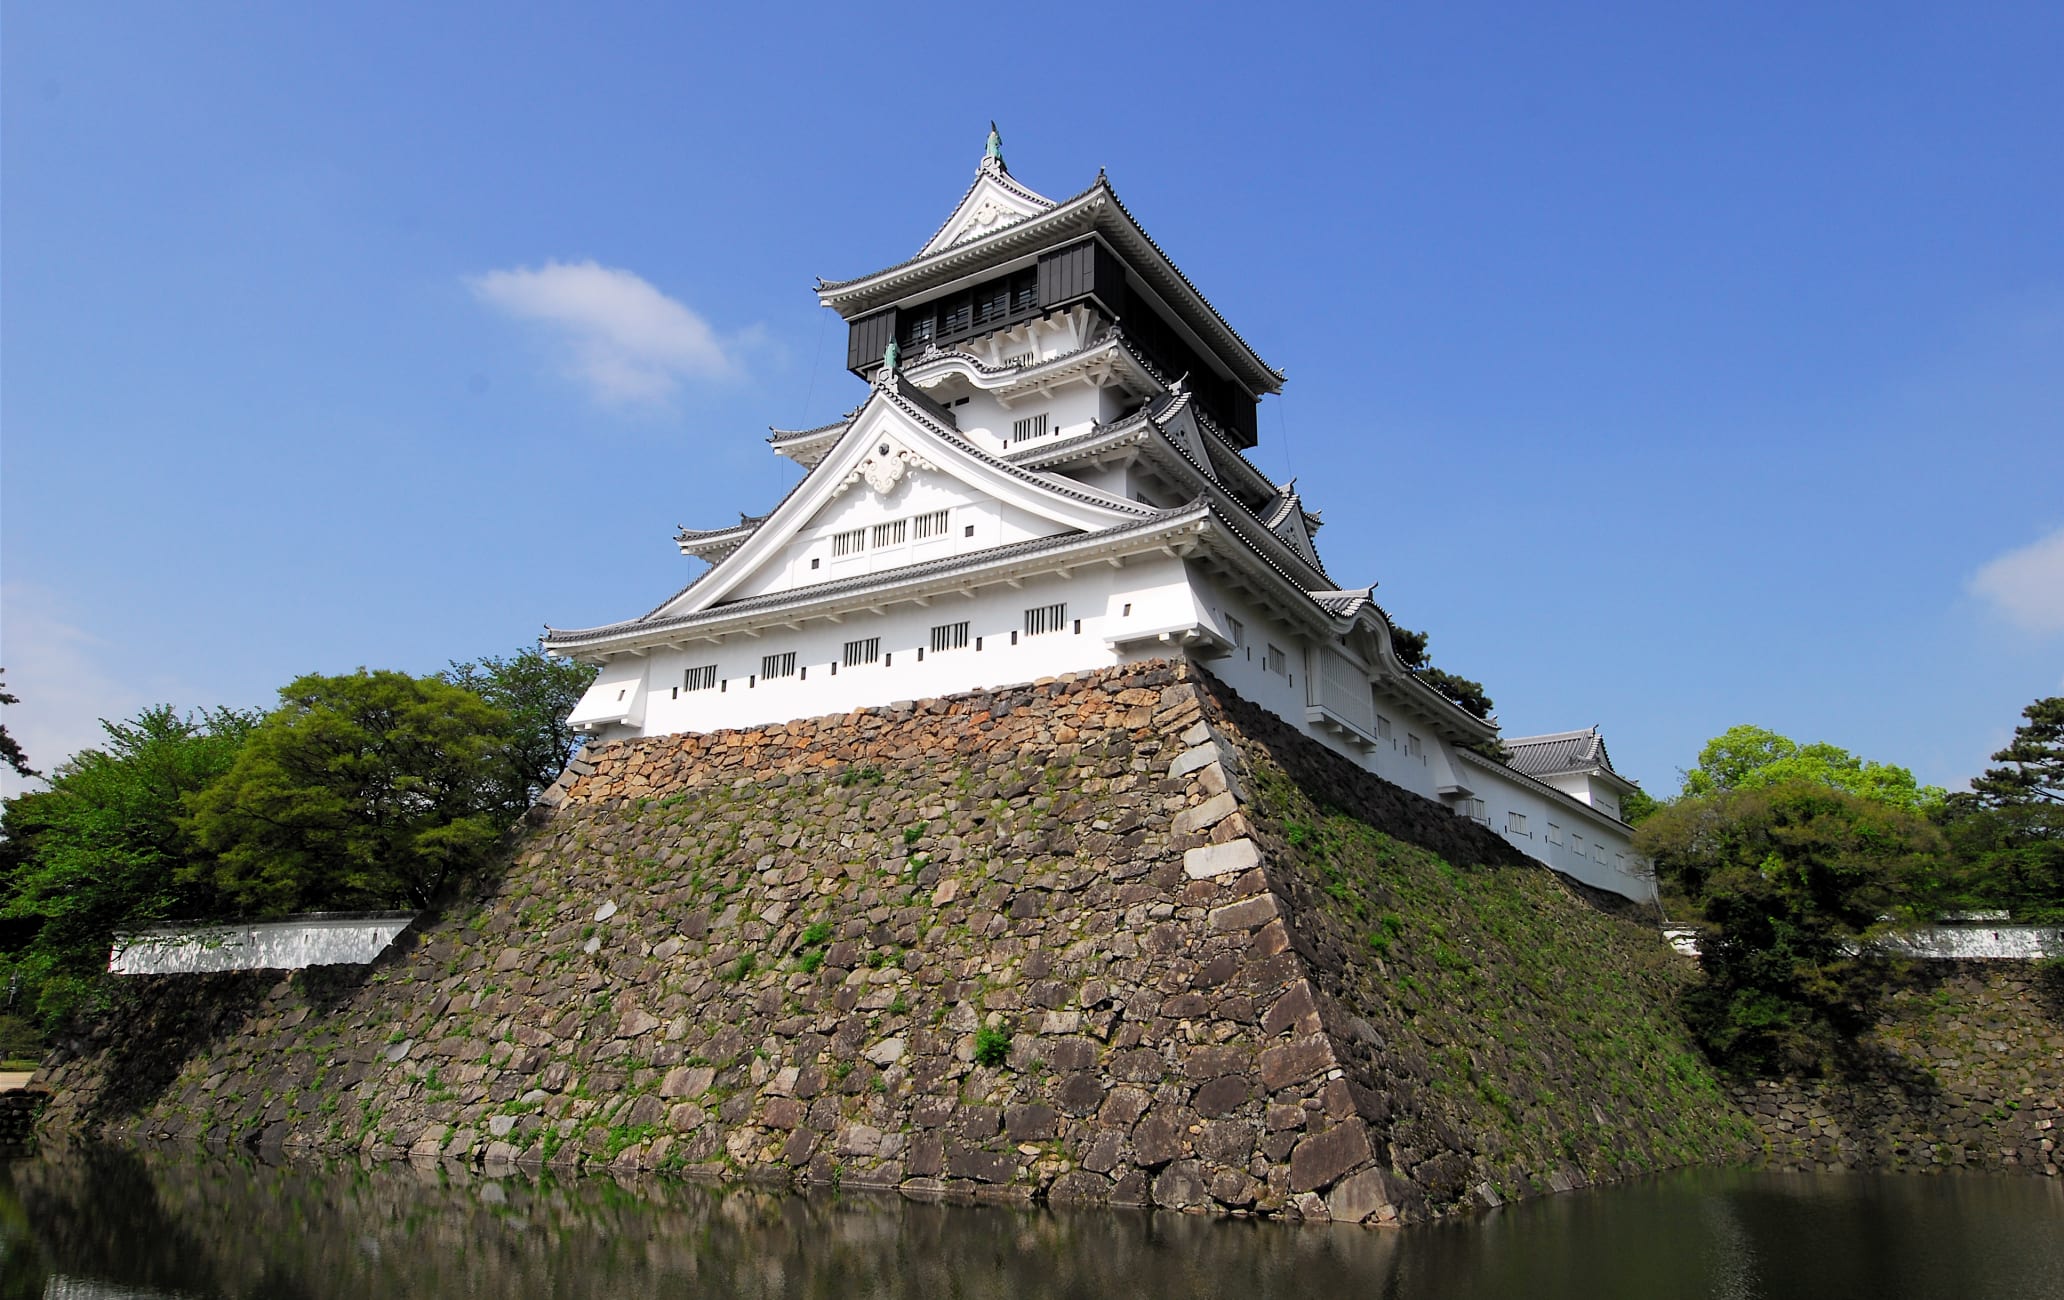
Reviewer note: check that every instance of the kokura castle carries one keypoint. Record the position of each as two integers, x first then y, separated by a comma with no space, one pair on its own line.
1048,475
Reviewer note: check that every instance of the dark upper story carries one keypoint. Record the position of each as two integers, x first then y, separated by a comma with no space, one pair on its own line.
1085,251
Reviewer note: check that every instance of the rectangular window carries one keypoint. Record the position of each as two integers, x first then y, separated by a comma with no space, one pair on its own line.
1041,619
1554,833
1028,428
950,636
1234,627
1515,823
850,542
931,525
701,679
1273,661
1383,729
1414,747
781,665
890,534
864,651
1576,843
1473,809
992,302
1598,852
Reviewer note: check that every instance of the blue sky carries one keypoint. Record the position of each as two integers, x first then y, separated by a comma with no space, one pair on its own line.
1675,366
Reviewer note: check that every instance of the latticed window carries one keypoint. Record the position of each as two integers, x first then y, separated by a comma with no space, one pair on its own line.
781,665
931,525
701,679
1041,619
867,650
1273,661
1028,427
1515,823
950,636
890,534
850,542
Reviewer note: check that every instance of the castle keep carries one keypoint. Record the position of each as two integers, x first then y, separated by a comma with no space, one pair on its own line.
1048,476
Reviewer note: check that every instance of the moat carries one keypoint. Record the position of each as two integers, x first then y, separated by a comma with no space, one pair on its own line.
106,1221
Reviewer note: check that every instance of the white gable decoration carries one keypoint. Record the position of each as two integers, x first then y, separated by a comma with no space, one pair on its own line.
992,203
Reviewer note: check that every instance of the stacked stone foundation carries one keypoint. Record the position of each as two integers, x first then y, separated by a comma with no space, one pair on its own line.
1060,941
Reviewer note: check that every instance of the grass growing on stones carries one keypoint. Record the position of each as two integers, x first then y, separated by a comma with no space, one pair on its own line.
1509,1012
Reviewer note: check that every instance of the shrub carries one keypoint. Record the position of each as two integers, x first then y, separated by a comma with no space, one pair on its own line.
992,1045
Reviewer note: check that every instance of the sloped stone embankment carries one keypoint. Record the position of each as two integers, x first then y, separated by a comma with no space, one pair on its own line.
1118,937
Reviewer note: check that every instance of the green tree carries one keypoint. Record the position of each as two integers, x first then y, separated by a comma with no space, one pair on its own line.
2006,834
2031,768
1756,758
366,789
10,749
1411,651
1637,806
102,849
537,692
1794,882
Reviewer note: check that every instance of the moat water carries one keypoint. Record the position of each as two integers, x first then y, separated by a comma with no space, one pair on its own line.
112,1222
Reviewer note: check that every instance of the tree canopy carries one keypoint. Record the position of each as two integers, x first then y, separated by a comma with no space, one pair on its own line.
2031,767
1794,880
10,748
2007,833
537,693
1411,651
102,849
1756,758
365,789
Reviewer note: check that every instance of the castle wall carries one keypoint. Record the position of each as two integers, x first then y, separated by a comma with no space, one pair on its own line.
1117,937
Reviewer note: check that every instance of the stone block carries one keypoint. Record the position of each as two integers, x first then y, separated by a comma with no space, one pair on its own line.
1209,861
1103,1151
1156,1140
983,1166
1223,1096
1079,1187
1295,1061
1245,914
1181,1185
1362,1196
1204,816
687,1081
1323,1158
1195,757
1032,1123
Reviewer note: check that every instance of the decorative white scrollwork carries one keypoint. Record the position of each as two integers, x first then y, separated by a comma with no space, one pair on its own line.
885,466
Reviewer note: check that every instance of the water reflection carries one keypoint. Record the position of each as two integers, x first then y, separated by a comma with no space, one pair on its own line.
117,1222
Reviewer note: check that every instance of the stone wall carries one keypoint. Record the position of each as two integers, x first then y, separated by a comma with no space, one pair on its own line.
1110,938
1965,1072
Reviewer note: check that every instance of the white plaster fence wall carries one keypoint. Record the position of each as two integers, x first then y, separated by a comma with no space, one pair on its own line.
288,944
1939,942
1982,942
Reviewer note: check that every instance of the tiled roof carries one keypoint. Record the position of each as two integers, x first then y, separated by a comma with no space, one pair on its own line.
1563,797
566,637
1558,752
1263,375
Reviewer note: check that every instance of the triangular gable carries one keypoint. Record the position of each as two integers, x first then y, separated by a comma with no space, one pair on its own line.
1178,422
993,202
890,437
1286,518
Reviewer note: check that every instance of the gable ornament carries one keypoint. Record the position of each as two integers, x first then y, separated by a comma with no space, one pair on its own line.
885,466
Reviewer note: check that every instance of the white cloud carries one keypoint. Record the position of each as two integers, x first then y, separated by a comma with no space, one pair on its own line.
55,668
2027,585
629,343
